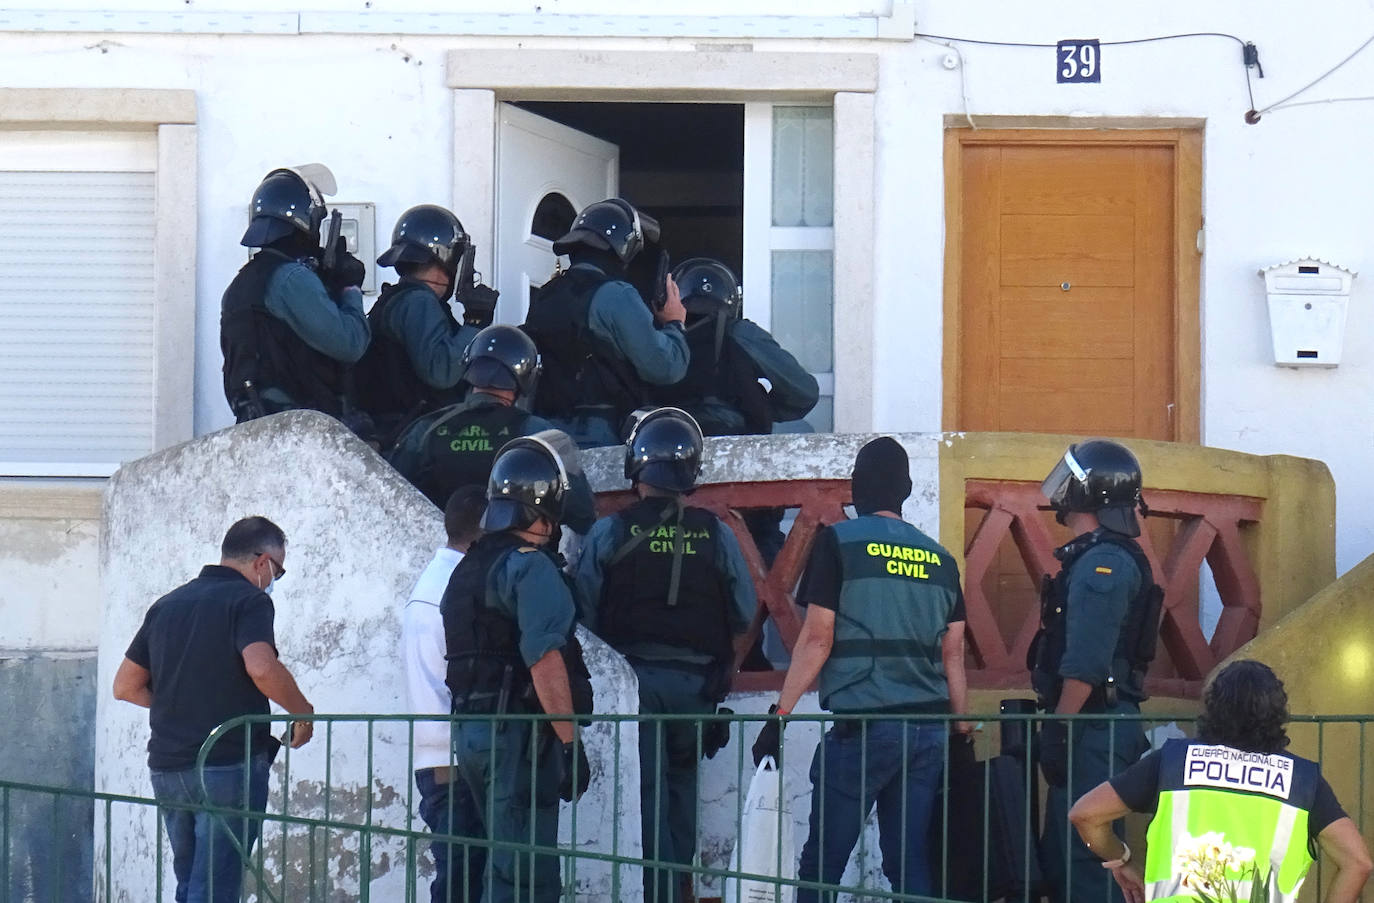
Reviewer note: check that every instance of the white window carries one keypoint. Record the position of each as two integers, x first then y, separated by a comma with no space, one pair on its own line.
789,236
77,301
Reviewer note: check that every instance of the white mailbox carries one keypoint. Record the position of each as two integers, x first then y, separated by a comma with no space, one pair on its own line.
1308,299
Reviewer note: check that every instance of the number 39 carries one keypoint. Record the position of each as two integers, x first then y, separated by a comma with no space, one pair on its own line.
1079,60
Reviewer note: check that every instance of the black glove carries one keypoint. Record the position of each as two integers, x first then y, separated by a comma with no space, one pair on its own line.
347,270
715,734
1054,753
577,772
479,304
769,742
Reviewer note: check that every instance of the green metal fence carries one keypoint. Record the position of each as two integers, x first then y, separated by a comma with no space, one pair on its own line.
342,822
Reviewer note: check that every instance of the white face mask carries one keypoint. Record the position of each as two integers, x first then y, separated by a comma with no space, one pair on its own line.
270,583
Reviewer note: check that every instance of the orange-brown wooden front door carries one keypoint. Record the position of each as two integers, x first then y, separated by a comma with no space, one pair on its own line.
1067,290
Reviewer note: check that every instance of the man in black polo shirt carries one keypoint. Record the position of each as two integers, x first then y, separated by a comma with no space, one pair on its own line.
205,654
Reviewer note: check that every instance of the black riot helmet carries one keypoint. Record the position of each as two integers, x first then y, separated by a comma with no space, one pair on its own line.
529,480
427,234
708,288
502,357
664,449
611,225
1101,477
289,201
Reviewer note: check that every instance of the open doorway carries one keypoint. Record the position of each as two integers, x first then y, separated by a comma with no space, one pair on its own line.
682,163
685,164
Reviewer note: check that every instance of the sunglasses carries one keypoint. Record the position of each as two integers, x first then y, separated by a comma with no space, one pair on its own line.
278,569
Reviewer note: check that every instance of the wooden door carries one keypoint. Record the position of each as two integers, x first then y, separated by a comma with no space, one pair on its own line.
1067,290
1068,271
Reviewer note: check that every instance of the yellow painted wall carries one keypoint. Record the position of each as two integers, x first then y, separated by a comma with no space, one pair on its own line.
1324,653
1293,548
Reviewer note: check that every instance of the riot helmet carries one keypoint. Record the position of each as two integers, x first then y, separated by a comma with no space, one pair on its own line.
502,357
1101,477
288,201
611,225
664,449
708,288
529,480
428,234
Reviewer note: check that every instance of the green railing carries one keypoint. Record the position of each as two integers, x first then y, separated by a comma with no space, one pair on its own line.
349,832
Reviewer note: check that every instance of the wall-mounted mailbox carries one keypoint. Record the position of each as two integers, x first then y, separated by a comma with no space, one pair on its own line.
1308,299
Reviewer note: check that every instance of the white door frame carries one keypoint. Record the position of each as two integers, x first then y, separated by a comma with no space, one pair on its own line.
480,78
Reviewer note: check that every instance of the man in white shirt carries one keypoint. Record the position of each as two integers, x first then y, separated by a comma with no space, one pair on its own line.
446,803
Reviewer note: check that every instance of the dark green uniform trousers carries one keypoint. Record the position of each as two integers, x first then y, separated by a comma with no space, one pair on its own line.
1097,750
669,752
515,786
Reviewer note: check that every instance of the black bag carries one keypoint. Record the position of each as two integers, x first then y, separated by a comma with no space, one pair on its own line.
987,800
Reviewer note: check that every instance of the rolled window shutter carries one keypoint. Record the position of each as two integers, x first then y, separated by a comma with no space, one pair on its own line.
76,321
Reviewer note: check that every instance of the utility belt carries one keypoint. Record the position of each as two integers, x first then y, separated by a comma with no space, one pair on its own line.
1104,698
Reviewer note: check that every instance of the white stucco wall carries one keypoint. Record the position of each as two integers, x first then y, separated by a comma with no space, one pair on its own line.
357,537
376,109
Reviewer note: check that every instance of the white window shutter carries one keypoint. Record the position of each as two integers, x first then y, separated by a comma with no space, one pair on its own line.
76,321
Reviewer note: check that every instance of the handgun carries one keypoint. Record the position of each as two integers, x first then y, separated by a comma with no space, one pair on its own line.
330,259
661,281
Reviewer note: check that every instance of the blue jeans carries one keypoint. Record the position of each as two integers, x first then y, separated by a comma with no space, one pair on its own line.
449,808
205,846
513,778
897,765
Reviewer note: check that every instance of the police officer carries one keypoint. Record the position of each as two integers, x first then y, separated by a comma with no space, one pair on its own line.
729,355
1235,781
884,630
509,619
454,446
602,345
1099,625
665,585
288,330
416,358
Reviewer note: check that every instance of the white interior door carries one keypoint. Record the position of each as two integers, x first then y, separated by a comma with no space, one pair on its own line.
545,173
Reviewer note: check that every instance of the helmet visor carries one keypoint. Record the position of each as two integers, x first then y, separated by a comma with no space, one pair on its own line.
1068,471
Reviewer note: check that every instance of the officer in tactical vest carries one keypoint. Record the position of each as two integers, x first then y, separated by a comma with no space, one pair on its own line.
1232,790
416,358
729,355
509,621
665,585
884,630
1099,625
601,343
454,446
289,330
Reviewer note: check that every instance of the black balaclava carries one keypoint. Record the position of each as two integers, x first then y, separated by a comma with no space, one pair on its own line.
605,260
882,477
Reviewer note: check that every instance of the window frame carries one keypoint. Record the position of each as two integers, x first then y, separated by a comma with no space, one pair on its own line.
171,116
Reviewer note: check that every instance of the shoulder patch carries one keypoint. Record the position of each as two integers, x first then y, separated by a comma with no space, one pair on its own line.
1102,570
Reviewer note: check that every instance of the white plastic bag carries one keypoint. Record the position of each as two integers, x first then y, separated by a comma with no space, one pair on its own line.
765,841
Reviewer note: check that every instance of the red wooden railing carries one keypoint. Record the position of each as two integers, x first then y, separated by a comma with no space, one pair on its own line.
1209,529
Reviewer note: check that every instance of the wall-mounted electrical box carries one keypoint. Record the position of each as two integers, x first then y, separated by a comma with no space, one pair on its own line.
1308,300
359,230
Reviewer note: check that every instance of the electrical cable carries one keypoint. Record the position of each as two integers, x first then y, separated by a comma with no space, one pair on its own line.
1316,81
1251,116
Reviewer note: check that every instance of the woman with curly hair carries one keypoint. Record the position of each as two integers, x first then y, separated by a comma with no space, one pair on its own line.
1231,808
